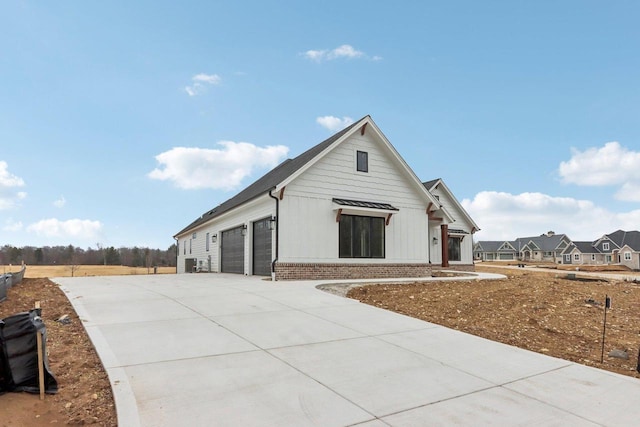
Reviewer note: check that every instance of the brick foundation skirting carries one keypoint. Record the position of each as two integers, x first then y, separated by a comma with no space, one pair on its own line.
315,271
456,267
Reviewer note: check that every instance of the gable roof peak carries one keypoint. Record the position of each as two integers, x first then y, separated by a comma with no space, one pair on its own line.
289,169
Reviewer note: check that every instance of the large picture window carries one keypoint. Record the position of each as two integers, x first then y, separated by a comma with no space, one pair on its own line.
454,248
361,237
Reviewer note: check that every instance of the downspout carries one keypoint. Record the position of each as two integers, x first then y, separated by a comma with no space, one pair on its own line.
177,253
273,263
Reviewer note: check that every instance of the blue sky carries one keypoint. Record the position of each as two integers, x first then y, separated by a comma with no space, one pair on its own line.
121,122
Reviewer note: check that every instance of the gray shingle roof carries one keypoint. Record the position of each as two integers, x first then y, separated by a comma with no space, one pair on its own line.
268,181
629,238
544,243
583,247
431,183
493,245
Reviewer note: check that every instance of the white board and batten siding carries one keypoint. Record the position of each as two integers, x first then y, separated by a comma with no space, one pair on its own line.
255,210
460,222
309,231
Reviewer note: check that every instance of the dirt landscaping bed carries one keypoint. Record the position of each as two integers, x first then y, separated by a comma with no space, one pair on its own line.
84,393
542,312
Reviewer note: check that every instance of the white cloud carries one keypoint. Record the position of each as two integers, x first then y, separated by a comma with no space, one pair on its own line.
72,228
505,216
196,168
199,82
8,185
343,51
334,124
610,165
60,202
11,225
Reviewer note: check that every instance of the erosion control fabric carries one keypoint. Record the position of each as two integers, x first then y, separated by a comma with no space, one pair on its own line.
19,354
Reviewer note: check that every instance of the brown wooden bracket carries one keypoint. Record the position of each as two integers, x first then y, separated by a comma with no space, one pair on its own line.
388,219
362,129
282,193
338,215
430,213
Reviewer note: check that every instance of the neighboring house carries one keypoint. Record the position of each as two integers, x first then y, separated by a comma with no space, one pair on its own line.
349,207
582,253
455,241
544,248
621,247
547,247
495,250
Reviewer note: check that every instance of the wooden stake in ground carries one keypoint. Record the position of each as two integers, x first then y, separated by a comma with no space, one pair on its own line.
607,304
40,359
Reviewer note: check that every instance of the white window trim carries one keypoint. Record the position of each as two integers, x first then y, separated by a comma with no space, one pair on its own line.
627,256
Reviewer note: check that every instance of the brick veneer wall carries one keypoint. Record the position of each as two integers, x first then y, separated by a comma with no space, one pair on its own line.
312,271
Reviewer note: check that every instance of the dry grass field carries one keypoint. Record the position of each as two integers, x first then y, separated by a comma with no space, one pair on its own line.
39,271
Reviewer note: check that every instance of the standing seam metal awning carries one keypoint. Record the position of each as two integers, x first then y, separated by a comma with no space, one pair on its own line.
359,206
362,204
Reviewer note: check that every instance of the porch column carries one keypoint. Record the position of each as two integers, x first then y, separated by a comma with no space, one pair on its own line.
444,238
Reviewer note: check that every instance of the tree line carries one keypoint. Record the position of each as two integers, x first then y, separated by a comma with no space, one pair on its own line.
72,255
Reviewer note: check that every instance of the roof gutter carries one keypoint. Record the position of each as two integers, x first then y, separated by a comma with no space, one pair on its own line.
177,252
273,263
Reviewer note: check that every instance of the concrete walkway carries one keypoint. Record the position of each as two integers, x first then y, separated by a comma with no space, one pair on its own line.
231,350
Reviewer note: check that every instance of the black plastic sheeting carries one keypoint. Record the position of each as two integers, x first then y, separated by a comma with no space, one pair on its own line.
19,354
3,287
8,280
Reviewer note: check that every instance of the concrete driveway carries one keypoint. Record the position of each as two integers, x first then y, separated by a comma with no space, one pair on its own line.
231,350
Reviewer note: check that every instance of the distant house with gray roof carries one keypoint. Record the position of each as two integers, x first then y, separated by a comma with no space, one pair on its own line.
583,253
620,247
544,248
495,250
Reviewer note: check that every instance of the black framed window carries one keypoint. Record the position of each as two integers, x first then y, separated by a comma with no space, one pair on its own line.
454,248
361,237
207,240
362,160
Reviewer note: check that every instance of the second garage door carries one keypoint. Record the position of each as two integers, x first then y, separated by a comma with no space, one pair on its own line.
262,247
232,251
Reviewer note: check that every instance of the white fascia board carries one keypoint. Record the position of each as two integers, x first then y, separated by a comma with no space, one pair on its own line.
450,219
458,205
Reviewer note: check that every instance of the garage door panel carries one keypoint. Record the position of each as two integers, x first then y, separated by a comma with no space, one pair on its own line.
262,247
232,251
